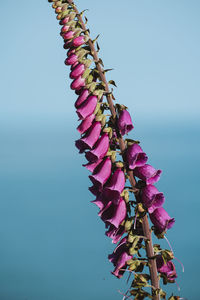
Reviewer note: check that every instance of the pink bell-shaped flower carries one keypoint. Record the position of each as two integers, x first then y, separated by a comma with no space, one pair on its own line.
119,258
115,233
85,124
152,198
91,166
135,156
77,71
87,107
78,83
82,97
161,220
115,186
72,59
101,173
167,269
114,213
100,149
147,173
124,122
90,138
78,41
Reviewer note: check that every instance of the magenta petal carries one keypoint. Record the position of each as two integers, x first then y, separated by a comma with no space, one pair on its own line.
90,138
78,41
85,124
100,202
161,220
91,166
100,149
115,187
68,35
124,122
152,198
135,156
168,268
72,59
115,233
114,213
82,97
102,172
77,71
121,264
147,173
87,108
78,83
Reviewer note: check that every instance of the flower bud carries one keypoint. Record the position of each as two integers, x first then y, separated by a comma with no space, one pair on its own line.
78,70
68,35
82,97
79,41
71,59
124,122
78,83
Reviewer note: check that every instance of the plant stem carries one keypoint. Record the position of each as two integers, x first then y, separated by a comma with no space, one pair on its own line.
145,223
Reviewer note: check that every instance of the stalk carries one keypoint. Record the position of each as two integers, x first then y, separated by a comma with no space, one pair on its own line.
145,223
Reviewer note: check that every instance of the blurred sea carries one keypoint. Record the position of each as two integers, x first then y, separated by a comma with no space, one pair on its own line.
52,241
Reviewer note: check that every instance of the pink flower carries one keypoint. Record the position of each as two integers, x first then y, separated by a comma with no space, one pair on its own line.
115,186
87,107
100,149
101,173
68,35
85,124
91,166
147,173
82,97
161,220
78,41
77,71
78,83
124,122
90,138
64,21
73,58
65,28
114,213
151,198
115,233
167,269
135,156
119,258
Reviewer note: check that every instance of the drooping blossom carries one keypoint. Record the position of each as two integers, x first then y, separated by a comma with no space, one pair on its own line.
115,187
100,149
114,213
68,35
135,156
167,269
124,122
65,28
92,165
85,124
73,58
87,107
115,233
78,83
78,41
152,198
77,71
161,220
147,173
101,173
82,97
90,138
119,258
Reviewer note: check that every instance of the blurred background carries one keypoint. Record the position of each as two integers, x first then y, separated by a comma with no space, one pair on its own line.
52,244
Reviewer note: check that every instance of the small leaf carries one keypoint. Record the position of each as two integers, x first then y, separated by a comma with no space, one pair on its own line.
112,82
101,62
86,20
98,48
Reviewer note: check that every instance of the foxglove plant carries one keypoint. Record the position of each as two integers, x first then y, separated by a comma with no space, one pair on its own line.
113,160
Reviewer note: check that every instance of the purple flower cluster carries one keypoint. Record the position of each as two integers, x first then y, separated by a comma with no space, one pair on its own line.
99,142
